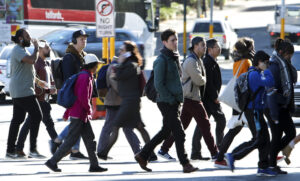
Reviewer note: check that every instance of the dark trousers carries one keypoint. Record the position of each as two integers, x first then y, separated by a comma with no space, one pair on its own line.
47,120
171,125
220,120
278,142
21,106
78,128
194,109
260,138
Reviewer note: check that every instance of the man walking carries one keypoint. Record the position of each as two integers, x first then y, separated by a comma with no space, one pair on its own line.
210,99
167,82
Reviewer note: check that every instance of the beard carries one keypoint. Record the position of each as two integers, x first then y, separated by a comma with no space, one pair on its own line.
26,43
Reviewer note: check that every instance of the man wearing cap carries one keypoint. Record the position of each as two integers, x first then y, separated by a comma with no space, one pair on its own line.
43,72
193,83
80,116
72,63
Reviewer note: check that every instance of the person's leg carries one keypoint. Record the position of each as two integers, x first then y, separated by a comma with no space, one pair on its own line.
220,124
132,139
263,138
196,142
288,128
47,119
17,119
226,142
23,134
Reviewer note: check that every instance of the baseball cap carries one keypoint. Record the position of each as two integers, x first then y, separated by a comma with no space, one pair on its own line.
91,58
195,41
79,33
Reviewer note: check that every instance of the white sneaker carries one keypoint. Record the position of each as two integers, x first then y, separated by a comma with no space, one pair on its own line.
35,154
165,156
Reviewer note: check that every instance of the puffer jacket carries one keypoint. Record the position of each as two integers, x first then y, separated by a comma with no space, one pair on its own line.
193,77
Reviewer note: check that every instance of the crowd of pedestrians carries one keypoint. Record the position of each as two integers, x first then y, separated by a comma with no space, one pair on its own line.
185,90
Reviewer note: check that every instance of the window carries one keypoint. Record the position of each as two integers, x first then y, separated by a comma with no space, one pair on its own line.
204,27
295,60
92,37
58,36
64,4
122,37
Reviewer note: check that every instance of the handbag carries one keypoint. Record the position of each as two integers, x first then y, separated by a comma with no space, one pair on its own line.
227,95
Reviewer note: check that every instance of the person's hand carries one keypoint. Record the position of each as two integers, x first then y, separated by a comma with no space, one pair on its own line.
35,44
43,84
53,91
217,101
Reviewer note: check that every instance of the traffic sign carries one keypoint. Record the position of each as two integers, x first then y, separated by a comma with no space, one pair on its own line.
105,21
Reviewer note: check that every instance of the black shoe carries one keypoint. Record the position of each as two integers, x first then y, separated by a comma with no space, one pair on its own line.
53,167
198,157
97,169
104,157
78,156
152,157
279,171
53,146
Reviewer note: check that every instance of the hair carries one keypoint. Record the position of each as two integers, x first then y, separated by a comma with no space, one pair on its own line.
244,48
285,46
211,43
166,34
133,49
19,34
249,42
260,56
90,65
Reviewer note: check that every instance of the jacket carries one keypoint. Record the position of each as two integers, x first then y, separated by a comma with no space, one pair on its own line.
72,62
43,72
259,80
127,74
213,82
112,97
167,80
244,68
193,77
83,89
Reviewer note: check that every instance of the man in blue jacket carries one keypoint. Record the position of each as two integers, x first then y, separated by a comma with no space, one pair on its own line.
167,71
259,78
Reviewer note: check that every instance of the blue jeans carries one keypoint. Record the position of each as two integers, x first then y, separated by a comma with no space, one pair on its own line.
63,135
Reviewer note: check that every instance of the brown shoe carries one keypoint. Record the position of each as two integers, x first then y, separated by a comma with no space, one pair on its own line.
142,162
188,168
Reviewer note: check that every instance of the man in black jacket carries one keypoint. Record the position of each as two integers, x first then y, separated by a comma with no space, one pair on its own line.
210,99
72,63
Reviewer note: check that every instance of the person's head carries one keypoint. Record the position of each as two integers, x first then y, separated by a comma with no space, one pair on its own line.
213,48
284,48
170,39
91,62
44,49
131,51
244,47
22,38
261,60
79,39
198,46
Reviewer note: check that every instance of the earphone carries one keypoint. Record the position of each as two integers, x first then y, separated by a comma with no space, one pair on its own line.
74,41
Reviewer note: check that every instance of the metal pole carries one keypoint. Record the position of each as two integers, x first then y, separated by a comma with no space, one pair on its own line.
184,30
282,19
211,26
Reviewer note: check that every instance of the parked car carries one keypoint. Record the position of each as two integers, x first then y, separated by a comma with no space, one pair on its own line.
5,55
296,63
222,31
59,40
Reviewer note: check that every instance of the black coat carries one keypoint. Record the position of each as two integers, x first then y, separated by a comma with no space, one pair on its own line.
213,83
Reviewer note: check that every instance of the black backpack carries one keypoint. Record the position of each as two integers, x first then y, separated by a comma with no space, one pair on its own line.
57,73
243,93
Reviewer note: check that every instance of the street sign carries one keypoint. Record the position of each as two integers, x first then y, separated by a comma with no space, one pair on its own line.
105,21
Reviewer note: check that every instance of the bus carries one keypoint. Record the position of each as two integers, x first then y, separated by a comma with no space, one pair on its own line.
43,16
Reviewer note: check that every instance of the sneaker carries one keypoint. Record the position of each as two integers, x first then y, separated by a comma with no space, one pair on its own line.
278,170
104,157
53,146
35,154
221,164
280,159
11,155
20,155
78,156
97,169
266,172
198,157
230,161
165,155
214,157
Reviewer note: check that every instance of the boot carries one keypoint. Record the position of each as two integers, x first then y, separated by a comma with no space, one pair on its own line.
188,168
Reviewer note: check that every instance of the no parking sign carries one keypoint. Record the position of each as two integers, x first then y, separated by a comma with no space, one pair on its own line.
105,22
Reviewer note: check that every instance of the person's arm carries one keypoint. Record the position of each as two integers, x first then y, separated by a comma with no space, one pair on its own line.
125,71
31,59
83,88
272,98
68,66
195,73
211,90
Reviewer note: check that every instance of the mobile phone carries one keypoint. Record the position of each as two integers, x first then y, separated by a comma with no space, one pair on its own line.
127,54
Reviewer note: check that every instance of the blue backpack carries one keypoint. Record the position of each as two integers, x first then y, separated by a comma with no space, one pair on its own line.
66,96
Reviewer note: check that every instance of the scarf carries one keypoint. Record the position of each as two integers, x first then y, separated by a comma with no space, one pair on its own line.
174,55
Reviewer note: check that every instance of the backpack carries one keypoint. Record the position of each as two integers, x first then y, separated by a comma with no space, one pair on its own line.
242,92
66,96
101,81
56,67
